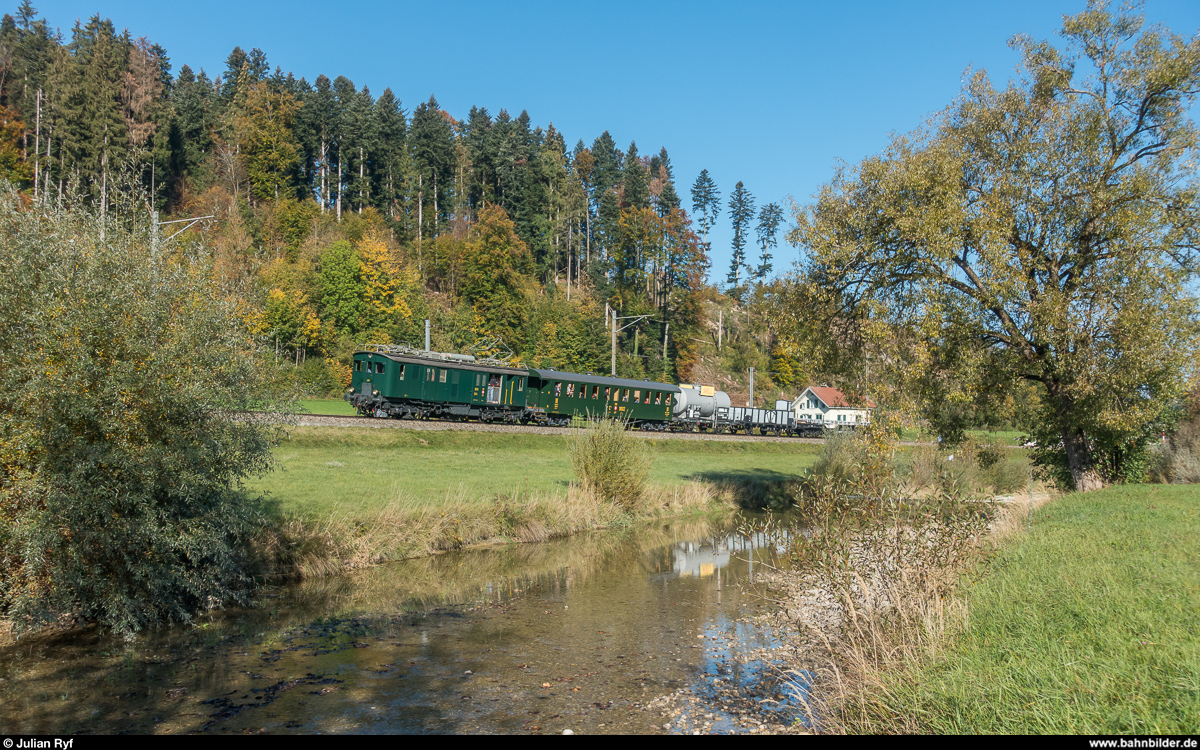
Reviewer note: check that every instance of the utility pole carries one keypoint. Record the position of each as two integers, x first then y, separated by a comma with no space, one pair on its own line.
613,369
751,387
615,330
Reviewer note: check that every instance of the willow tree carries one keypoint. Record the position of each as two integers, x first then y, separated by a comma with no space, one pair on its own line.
1045,232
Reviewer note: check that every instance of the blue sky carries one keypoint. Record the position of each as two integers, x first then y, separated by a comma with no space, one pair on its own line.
772,94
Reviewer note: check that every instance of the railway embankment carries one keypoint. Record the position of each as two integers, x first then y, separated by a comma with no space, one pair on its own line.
1074,616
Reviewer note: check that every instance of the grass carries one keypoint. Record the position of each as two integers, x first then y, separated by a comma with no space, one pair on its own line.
344,498
1083,624
335,406
323,469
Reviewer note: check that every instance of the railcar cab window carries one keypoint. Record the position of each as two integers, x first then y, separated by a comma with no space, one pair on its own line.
402,372
442,376
520,384
358,365
379,367
557,390
430,374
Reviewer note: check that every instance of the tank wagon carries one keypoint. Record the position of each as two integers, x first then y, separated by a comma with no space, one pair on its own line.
405,383
702,408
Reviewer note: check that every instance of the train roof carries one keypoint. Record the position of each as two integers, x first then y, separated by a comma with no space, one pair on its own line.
437,359
602,380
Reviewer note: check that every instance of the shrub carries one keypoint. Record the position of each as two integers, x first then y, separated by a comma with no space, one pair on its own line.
611,463
127,380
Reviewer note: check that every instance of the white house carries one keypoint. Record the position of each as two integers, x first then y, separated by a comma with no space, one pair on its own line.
829,405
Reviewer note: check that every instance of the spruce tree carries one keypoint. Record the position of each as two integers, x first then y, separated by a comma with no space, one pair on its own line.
769,219
706,202
741,213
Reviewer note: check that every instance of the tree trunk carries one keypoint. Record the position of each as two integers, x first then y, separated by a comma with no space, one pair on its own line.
1079,460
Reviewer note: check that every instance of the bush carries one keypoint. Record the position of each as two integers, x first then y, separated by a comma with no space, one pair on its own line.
1181,454
611,463
127,380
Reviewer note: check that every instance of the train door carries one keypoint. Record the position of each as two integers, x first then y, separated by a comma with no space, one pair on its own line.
493,388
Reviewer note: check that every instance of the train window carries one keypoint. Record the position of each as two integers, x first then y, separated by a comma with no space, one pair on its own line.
442,376
595,392
637,396
557,389
647,398
607,393
379,367
402,372
430,374
358,365
520,384
658,398
570,390
626,398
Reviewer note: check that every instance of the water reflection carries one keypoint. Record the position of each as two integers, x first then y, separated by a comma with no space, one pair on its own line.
575,634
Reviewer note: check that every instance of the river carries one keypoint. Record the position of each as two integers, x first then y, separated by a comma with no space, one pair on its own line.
577,634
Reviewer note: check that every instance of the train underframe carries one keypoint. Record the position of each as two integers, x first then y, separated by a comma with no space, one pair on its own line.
378,406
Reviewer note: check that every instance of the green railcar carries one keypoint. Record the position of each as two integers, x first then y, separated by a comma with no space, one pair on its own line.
563,395
407,383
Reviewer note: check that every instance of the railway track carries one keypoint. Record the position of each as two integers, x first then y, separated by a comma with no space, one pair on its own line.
347,420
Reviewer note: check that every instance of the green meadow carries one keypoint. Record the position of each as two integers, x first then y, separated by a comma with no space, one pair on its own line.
352,469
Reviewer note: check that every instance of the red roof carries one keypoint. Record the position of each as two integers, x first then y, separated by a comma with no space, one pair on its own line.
832,397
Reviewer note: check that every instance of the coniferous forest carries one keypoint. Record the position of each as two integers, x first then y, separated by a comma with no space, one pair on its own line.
347,216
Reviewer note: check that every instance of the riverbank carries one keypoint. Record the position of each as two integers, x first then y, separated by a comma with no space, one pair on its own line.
1080,620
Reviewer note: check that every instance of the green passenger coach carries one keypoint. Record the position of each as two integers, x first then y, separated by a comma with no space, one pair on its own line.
407,383
563,395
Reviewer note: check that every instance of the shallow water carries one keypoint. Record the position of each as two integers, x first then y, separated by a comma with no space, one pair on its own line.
576,634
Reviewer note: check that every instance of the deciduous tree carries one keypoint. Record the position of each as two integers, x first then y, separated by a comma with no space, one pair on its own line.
1044,232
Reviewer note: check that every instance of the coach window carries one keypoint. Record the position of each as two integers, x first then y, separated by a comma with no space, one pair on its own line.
658,398
637,396
570,390
647,398
607,394
442,376
595,392
557,390
626,396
